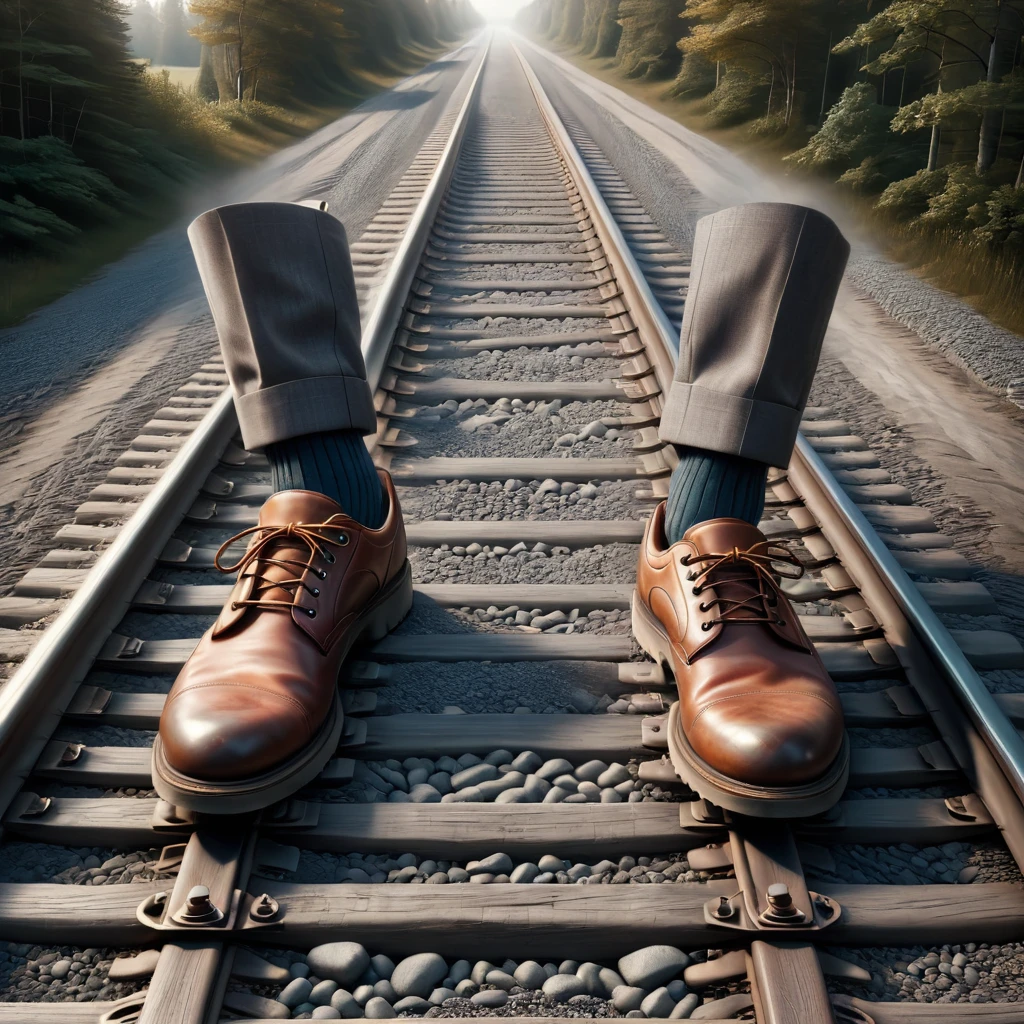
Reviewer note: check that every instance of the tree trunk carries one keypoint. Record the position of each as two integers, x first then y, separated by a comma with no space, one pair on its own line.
824,84
933,148
988,133
771,89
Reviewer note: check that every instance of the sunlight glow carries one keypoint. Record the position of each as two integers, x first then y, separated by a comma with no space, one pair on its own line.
499,10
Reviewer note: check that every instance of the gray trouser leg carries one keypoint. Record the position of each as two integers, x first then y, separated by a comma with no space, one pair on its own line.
762,285
279,281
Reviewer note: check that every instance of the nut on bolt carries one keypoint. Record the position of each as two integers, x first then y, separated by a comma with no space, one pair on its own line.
199,909
725,910
264,908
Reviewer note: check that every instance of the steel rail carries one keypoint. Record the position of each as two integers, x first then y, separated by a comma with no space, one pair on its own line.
379,330
994,726
643,307
1001,737
33,700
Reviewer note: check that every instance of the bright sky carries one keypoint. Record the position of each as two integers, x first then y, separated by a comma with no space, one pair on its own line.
497,10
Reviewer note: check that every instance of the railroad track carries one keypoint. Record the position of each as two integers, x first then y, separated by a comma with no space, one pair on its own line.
520,312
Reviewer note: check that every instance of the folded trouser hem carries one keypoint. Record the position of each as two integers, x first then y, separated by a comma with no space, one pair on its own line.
306,406
698,417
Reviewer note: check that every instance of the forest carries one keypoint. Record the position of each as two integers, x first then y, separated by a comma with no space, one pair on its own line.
89,138
914,107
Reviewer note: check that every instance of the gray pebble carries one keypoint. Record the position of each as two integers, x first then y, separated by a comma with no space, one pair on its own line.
658,1004
492,998
379,1009
652,966
474,775
346,1005
363,994
627,997
551,863
526,762
418,975
683,1010
496,863
424,794
530,975
325,1013
296,991
439,995
461,969
323,991
524,873
562,987
550,770
413,1004
385,990
591,771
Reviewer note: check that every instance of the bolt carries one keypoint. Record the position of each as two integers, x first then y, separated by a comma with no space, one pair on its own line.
779,897
198,901
724,910
264,908
824,906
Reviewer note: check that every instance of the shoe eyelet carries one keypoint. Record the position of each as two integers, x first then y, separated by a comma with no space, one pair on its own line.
234,606
321,574
697,591
780,622
691,576
329,558
705,626
685,560
703,607
311,612
342,539
316,591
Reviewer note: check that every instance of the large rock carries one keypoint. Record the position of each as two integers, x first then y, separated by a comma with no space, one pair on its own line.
379,1009
530,974
562,987
343,962
652,966
627,997
495,864
658,1004
419,975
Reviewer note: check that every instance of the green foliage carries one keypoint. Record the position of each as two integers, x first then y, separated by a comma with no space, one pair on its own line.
86,135
962,203
909,198
650,30
733,101
855,128
1005,224
599,35
696,76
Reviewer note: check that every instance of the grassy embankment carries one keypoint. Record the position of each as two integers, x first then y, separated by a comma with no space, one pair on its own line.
987,277
227,136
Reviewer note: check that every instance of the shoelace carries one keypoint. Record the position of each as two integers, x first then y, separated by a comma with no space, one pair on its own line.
318,544
759,559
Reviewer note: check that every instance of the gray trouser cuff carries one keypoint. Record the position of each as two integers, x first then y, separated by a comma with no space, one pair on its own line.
754,429
305,406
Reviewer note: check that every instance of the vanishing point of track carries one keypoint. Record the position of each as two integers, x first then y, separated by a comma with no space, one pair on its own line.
509,233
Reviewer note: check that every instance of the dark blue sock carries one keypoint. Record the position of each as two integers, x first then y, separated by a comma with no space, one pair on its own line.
709,485
335,463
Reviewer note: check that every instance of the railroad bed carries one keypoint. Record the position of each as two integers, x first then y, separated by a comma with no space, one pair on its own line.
501,833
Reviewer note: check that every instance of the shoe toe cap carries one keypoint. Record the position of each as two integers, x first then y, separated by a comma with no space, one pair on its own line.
214,735
783,740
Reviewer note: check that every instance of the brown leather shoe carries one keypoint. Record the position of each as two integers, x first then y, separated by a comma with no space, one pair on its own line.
758,728
255,714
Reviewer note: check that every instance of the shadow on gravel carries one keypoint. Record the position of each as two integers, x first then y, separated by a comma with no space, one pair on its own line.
404,100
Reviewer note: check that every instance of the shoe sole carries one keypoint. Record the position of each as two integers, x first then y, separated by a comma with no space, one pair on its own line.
740,797
257,792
